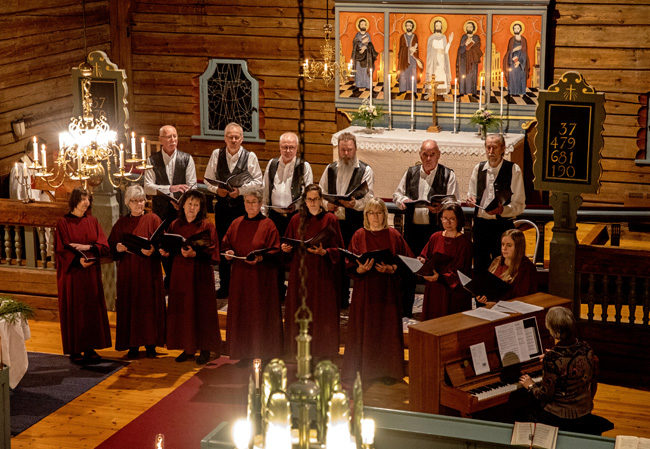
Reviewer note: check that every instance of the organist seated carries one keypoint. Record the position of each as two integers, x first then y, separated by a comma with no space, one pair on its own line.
513,267
564,396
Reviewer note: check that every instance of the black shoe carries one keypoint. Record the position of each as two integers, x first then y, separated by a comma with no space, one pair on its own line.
90,357
76,358
203,358
133,353
184,356
151,351
222,293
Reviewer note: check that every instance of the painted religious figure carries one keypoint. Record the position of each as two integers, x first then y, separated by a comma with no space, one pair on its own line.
408,56
468,59
364,55
438,55
516,64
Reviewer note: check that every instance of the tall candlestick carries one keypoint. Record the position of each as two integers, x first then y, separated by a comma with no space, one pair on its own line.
133,145
501,105
480,93
412,98
371,88
35,150
144,150
43,156
455,100
390,103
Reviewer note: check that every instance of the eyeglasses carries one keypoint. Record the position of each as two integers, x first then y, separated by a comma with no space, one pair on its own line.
448,220
137,200
375,213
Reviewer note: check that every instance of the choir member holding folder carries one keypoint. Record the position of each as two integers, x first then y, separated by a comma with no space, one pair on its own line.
443,292
140,303
321,235
254,315
513,267
192,321
374,344
82,309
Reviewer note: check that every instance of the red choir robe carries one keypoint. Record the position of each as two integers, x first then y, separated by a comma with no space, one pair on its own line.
82,309
192,320
524,283
374,343
447,295
140,303
254,324
322,282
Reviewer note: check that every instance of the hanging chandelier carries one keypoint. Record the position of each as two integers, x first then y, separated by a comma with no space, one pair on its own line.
326,68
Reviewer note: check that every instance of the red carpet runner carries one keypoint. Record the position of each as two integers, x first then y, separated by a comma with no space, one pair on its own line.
216,393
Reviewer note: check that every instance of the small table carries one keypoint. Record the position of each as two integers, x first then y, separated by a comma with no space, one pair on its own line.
390,153
12,348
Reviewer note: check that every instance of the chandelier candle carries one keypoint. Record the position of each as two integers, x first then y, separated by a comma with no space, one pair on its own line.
133,145
121,157
35,150
43,156
144,151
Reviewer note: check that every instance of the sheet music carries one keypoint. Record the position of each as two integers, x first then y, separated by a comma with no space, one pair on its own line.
485,314
479,358
516,339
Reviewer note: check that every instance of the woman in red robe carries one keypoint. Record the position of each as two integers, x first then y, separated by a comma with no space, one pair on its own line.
322,268
140,303
254,315
443,293
82,309
192,320
513,267
375,344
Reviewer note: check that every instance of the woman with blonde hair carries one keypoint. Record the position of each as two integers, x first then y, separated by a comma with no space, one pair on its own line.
374,343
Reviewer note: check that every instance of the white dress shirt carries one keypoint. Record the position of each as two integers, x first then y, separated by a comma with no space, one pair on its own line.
282,181
517,202
421,214
343,176
150,185
253,168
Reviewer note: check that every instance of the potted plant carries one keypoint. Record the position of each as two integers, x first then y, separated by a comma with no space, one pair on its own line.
486,120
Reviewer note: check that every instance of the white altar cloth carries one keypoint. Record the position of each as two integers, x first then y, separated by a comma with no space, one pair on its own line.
12,348
390,153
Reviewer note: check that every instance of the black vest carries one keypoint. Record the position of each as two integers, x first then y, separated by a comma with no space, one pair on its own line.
223,172
297,182
438,186
161,206
501,183
355,179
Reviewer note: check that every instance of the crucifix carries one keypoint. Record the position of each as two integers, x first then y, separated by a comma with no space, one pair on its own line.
434,128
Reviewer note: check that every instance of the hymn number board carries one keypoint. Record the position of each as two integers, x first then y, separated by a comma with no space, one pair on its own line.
570,116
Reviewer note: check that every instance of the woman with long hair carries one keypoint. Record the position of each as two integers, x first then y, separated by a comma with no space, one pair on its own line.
322,269
80,242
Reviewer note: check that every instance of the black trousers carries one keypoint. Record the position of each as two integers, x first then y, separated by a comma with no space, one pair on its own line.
225,211
353,222
486,236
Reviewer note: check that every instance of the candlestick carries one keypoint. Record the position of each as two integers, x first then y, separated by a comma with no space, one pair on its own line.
501,105
43,157
35,150
371,88
133,145
24,170
144,151
455,100
412,97
257,365
390,104
480,93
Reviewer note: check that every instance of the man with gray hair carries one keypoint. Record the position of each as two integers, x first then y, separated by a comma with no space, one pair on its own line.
224,163
284,180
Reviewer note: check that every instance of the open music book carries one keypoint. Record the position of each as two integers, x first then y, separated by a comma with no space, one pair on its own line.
172,243
251,256
358,193
286,210
316,240
87,256
233,182
518,341
484,284
534,435
501,197
135,243
435,200
379,256
437,262
631,442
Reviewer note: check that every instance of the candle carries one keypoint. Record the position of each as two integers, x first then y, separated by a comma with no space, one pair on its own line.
480,93
257,364
144,150
133,145
241,433
43,156
501,105
390,103
79,162
35,150
121,156
455,100
371,88
368,431
24,170
412,97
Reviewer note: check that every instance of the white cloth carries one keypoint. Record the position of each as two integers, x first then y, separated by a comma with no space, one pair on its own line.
281,196
421,214
343,176
150,185
20,183
517,202
12,348
253,168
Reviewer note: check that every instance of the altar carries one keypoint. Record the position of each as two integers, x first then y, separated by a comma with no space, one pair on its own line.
390,153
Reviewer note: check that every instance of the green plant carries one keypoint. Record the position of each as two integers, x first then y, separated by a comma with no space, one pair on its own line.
11,310
485,118
368,114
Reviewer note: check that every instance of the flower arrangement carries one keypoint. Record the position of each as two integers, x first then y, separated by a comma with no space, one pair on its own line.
485,119
368,114
11,310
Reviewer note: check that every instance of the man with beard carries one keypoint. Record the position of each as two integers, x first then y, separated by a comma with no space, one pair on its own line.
467,61
364,55
340,178
438,58
515,62
407,57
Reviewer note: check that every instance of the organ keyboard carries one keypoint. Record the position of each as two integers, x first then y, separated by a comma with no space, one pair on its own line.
441,375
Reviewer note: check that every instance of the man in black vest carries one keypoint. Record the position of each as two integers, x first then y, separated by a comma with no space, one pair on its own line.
173,173
224,163
488,177
284,180
421,182
340,178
